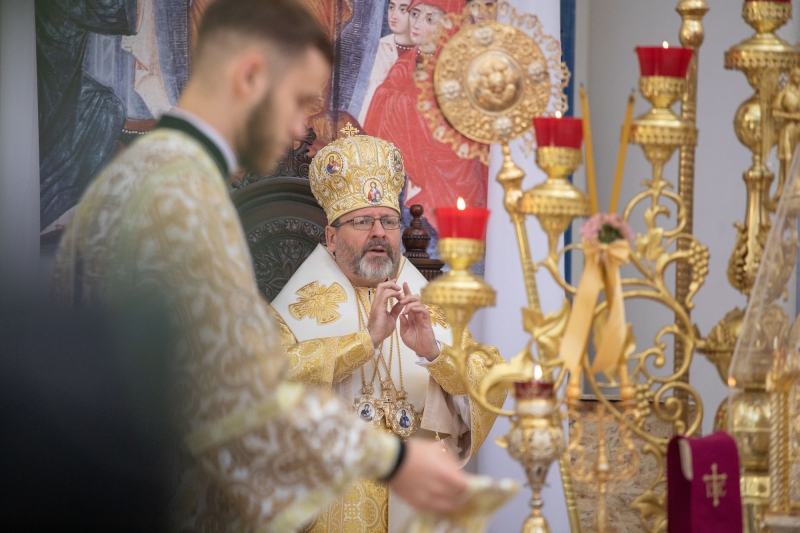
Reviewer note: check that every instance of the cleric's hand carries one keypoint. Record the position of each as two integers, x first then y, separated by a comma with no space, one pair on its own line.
382,322
416,329
428,479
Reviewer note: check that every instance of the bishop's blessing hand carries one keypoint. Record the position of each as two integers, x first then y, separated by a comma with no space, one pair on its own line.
382,320
416,329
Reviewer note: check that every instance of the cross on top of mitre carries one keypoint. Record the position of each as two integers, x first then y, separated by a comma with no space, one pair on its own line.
349,130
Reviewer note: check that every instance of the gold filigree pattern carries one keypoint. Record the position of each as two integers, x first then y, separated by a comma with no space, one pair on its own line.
437,316
169,228
497,96
363,509
323,362
548,71
318,302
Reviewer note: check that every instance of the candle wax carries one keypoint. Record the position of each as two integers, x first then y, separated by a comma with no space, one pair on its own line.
564,132
467,223
530,390
660,61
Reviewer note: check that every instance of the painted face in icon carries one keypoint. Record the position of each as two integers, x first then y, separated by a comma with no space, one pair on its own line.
334,165
403,419
367,413
374,195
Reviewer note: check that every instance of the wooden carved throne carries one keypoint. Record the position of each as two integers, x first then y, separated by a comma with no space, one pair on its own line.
283,222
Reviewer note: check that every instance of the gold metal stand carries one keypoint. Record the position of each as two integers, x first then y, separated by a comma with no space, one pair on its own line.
461,92
691,36
762,58
535,440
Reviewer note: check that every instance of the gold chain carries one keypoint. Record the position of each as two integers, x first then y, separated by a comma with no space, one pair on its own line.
395,340
379,357
361,326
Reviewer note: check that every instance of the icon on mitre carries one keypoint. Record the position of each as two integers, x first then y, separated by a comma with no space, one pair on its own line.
703,485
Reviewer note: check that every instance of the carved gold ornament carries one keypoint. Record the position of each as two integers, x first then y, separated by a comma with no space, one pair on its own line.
491,80
318,302
478,72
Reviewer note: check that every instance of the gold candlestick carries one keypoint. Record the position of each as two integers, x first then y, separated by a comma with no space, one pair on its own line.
535,441
556,202
660,131
460,293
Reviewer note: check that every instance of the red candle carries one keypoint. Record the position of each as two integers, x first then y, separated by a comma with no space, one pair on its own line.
462,222
661,61
531,390
565,132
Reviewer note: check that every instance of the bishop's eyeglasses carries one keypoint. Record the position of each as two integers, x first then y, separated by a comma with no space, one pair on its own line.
366,223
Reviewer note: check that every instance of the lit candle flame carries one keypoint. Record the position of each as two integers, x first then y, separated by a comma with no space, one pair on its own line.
558,114
461,204
731,382
537,373
665,44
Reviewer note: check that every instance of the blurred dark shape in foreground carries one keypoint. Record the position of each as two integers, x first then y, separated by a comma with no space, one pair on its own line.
86,439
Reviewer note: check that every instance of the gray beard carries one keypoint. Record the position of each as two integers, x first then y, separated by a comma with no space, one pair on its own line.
375,270
375,273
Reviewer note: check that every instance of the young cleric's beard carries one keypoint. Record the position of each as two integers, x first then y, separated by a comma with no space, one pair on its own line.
375,270
259,151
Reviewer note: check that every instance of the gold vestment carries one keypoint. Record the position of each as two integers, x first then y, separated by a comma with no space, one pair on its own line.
262,454
318,319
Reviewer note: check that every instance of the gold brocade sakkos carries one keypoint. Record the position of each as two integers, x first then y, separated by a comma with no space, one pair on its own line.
331,355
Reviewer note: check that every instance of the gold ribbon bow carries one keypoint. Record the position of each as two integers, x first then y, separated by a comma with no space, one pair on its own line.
601,270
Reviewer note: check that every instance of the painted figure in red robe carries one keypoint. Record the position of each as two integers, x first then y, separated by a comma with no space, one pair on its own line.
436,175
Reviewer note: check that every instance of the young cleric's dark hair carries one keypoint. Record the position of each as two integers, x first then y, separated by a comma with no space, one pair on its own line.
283,23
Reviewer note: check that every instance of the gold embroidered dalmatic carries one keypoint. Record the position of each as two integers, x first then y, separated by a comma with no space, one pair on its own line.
263,454
320,331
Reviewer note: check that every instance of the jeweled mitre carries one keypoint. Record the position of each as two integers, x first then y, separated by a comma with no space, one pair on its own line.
356,172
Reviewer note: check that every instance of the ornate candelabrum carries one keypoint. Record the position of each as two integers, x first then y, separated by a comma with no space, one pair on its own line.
765,381
536,437
488,112
482,110
762,58
660,132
